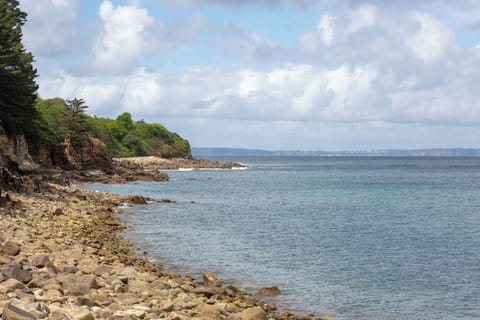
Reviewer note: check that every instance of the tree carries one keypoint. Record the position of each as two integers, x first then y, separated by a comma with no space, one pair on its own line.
17,75
76,120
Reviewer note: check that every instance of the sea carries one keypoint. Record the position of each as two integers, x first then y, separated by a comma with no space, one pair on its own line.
351,238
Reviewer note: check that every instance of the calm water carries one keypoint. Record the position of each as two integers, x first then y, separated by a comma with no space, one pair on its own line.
353,238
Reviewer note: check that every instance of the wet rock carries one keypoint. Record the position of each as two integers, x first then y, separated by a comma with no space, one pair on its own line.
137,200
210,277
10,248
10,312
269,292
255,313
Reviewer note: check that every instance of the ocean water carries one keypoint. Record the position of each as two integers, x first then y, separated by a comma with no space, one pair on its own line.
352,238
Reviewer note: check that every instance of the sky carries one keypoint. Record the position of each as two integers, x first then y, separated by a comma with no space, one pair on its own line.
270,74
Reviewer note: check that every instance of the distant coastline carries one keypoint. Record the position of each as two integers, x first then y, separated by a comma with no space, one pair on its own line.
433,152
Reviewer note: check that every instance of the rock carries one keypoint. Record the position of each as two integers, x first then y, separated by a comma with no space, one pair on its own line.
82,313
79,286
210,277
138,200
11,285
10,312
4,260
208,312
59,315
269,292
15,271
10,248
40,260
58,212
255,313
209,291
101,270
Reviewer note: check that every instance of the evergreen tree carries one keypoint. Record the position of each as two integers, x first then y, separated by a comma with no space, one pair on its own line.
17,75
76,120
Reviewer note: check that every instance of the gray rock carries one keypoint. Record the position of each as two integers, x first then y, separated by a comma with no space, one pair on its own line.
16,271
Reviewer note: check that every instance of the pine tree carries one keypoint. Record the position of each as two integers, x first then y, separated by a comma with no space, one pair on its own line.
17,75
76,120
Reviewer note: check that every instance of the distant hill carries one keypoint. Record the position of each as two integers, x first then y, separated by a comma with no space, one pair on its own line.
436,152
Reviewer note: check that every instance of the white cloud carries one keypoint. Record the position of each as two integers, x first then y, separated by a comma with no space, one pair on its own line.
127,33
363,17
432,40
326,29
50,26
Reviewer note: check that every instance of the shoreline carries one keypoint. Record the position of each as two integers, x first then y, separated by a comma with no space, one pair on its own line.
62,256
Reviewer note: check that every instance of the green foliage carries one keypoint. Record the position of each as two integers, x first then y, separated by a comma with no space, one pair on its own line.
17,75
127,138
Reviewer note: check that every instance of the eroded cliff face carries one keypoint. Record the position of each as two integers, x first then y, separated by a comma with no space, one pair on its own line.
90,154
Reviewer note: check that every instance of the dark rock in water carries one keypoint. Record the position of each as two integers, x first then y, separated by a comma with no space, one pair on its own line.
270,292
10,249
10,312
138,200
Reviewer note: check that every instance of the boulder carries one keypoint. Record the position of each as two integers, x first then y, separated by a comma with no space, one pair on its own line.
10,248
58,212
10,312
255,313
137,200
269,292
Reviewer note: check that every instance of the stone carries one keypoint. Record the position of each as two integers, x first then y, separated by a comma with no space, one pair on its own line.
210,277
10,248
269,292
79,286
40,260
101,270
10,312
58,212
82,313
137,200
16,271
208,312
11,285
59,315
255,313
4,260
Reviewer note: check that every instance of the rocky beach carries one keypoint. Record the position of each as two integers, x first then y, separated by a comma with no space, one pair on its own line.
62,256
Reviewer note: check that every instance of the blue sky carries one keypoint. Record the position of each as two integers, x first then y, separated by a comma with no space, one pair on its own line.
283,74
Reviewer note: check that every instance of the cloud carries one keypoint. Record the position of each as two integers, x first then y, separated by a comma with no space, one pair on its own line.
127,34
248,46
432,40
50,26
363,17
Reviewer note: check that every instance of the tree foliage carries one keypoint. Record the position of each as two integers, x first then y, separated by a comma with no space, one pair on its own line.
17,75
59,119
